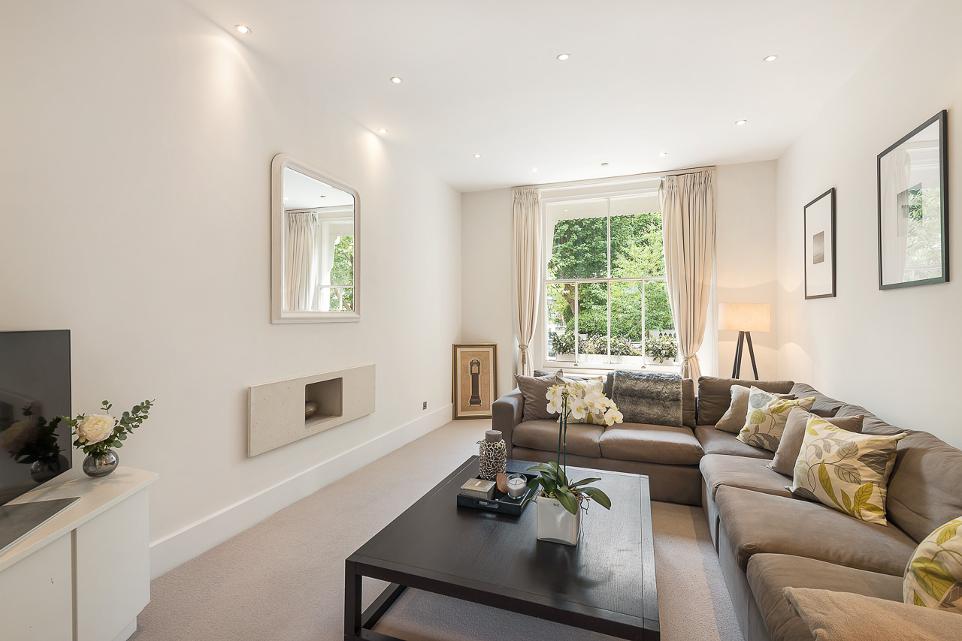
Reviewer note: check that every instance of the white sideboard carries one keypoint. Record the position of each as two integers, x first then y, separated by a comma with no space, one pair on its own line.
84,574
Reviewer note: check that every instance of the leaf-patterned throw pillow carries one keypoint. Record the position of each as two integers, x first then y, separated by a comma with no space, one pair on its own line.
933,576
846,471
767,414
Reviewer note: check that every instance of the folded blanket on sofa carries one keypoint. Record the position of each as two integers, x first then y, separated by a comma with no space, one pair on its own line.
647,397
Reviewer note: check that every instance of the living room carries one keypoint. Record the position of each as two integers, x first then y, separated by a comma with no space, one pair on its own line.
208,442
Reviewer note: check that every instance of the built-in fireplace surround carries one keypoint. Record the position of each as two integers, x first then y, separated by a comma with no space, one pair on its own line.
287,411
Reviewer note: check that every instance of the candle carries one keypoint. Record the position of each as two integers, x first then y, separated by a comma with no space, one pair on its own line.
517,485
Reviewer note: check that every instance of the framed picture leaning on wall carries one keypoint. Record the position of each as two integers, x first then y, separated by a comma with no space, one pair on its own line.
913,210
819,226
474,376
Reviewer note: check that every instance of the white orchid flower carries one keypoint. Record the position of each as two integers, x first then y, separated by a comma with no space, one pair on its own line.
579,408
613,416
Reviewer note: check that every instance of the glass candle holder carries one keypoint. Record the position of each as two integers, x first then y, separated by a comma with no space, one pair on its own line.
517,485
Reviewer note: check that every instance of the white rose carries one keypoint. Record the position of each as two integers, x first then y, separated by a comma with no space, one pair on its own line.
95,428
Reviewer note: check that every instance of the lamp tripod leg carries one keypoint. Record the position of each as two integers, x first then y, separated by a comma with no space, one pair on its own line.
751,352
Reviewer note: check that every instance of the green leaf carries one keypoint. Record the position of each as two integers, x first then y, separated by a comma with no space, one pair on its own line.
598,496
586,481
848,473
567,499
931,576
826,482
862,496
846,502
947,531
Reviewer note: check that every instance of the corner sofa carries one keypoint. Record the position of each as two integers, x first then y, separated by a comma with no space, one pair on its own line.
766,539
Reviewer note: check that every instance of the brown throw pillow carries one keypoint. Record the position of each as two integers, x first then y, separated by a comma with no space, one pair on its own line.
534,389
791,443
734,418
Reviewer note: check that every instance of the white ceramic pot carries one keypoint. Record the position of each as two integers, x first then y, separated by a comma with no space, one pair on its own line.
555,523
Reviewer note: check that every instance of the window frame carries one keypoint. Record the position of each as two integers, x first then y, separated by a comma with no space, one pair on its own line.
608,280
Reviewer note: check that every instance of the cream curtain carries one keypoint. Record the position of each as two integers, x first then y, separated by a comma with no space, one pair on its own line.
301,269
527,270
688,207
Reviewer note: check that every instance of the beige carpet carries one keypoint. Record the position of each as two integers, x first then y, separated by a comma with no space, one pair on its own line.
283,580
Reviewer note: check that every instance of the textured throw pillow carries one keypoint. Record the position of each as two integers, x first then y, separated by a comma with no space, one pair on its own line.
933,576
648,397
534,389
733,420
790,444
766,418
845,471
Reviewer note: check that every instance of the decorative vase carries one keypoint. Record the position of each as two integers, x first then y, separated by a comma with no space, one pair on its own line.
555,523
99,464
45,469
494,456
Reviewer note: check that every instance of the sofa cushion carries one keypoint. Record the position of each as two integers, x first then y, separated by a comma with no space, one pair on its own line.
757,522
688,403
717,442
933,578
582,439
734,418
924,489
831,615
741,471
845,471
766,418
648,397
534,389
714,395
872,424
651,444
770,574
790,444
824,406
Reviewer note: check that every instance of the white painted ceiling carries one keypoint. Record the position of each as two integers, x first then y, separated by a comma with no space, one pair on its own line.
481,76
305,192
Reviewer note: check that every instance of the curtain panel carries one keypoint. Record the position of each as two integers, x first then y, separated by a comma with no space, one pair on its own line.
301,269
688,207
527,271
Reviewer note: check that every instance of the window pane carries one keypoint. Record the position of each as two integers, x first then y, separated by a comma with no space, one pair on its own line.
637,246
593,319
342,264
661,341
561,322
578,232
626,328
335,299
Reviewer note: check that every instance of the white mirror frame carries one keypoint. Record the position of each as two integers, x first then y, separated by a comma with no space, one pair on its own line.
279,241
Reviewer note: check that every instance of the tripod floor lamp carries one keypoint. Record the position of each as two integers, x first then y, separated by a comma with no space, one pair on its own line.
745,318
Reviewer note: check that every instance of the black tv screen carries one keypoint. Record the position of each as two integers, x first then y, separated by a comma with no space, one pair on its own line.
35,442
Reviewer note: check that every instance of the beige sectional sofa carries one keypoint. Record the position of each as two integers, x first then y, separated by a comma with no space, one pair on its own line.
766,539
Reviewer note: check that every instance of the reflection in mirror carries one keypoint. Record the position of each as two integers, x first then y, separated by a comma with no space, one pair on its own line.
317,246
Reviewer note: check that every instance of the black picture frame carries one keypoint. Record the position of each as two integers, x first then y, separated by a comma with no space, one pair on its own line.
830,194
942,119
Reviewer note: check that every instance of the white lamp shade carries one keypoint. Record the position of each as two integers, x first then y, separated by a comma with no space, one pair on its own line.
745,317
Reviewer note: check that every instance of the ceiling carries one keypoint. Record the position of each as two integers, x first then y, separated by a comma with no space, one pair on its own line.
481,77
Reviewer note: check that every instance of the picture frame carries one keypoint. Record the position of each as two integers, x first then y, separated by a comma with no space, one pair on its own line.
819,256
913,210
474,380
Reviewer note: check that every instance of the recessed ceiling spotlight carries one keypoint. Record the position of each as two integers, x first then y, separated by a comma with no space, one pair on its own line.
382,131
477,155
396,80
534,170
663,154
242,29
563,56
741,123
770,58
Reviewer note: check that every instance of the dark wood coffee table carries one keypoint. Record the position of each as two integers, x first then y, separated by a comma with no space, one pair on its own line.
605,584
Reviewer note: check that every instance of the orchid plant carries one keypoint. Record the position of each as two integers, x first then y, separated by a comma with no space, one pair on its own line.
579,401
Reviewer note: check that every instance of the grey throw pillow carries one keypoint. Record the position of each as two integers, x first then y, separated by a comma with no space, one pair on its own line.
791,443
733,420
534,389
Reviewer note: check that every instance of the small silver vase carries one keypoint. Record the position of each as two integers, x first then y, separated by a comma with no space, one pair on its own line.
99,464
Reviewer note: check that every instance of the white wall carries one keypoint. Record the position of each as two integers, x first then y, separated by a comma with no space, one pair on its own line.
896,352
745,200
745,257
134,177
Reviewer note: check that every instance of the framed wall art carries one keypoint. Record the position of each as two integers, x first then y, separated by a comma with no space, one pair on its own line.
913,210
819,226
474,376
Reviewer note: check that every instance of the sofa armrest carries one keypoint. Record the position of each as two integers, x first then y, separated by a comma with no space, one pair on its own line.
506,412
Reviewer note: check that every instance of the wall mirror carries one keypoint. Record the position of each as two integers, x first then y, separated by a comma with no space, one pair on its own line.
315,246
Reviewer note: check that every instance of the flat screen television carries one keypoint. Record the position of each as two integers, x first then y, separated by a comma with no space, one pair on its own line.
35,442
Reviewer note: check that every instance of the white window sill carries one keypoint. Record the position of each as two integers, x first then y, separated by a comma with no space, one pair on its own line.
569,366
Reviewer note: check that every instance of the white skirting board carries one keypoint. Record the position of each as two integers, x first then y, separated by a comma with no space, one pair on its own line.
171,550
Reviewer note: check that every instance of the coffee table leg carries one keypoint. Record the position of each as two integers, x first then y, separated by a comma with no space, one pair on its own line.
352,602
